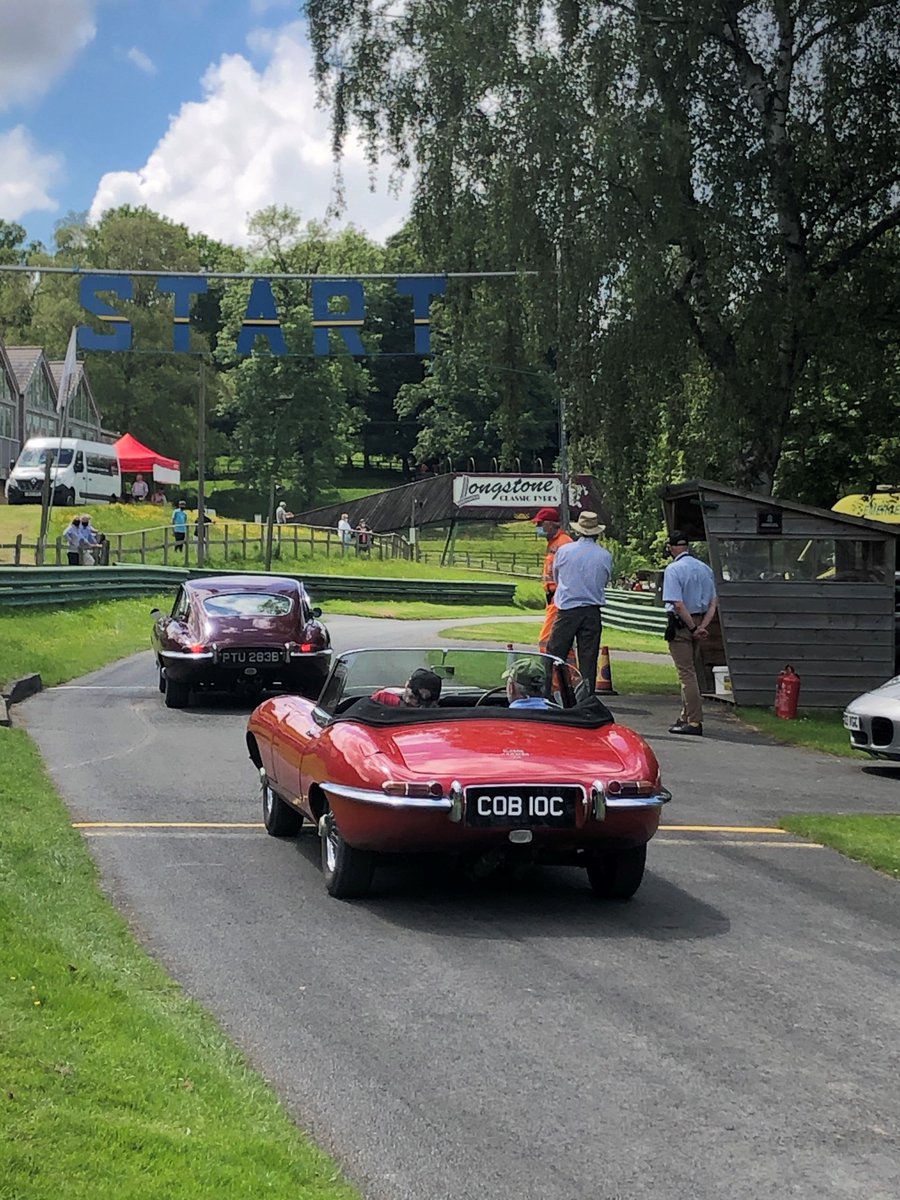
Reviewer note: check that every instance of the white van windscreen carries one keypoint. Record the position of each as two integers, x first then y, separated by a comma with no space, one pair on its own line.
38,457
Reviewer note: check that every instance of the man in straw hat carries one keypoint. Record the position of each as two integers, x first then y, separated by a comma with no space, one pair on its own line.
582,571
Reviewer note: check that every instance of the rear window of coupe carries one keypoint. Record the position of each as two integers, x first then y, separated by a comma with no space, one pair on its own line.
247,604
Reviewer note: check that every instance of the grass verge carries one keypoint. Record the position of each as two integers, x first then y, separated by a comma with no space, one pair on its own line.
114,1083
812,730
525,632
870,839
63,643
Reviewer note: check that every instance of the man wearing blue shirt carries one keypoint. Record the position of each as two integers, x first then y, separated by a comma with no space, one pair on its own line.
582,570
689,594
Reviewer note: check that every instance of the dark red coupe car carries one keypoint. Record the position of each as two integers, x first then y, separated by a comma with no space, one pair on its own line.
240,632
552,780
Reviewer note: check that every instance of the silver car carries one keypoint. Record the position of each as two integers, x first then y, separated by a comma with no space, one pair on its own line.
873,721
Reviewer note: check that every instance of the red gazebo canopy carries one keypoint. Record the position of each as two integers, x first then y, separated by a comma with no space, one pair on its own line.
134,457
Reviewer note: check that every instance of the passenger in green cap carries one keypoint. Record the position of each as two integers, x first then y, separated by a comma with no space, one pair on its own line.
525,684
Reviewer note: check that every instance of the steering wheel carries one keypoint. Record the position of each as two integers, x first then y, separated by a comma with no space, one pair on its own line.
490,692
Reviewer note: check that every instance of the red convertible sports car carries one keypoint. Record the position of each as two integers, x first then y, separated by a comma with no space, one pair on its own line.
233,632
442,751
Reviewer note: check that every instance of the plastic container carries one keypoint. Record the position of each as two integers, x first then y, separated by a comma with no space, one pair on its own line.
723,681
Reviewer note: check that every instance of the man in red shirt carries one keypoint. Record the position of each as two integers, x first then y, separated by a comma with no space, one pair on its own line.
548,523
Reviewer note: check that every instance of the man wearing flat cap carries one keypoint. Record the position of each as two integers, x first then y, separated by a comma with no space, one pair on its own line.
525,683
548,523
689,594
582,571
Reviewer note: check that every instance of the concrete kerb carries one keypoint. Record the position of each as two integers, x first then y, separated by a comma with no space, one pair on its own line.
19,690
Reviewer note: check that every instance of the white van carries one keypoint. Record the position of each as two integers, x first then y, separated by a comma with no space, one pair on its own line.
82,472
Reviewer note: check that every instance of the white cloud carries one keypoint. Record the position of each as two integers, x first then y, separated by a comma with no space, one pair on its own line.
142,61
255,139
37,43
25,175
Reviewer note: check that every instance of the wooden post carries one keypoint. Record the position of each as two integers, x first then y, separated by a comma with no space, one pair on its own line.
262,541
165,545
119,546
328,543
225,539
59,551
244,546
295,541
17,551
143,547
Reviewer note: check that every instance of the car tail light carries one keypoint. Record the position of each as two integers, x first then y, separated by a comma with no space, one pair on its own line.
198,648
301,647
630,788
423,791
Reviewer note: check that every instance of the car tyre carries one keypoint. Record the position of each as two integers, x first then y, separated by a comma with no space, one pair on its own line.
617,874
178,694
279,818
347,871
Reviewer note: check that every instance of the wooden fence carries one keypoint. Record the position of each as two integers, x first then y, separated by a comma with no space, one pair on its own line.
239,540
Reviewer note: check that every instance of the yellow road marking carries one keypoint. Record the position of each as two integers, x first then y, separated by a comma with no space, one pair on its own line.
167,825
723,829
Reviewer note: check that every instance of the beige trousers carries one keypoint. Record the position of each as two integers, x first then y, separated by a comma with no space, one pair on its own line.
685,651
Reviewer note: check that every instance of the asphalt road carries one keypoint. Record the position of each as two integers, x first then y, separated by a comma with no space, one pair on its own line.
732,1032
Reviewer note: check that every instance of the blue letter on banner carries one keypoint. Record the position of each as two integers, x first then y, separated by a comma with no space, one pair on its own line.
120,338
421,291
261,320
347,324
182,288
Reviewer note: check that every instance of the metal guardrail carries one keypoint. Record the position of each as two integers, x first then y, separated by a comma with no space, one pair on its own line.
640,612
22,586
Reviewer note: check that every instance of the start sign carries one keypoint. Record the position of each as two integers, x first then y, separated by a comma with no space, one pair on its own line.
261,317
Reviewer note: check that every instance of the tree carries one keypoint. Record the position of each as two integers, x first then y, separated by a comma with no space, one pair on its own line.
695,182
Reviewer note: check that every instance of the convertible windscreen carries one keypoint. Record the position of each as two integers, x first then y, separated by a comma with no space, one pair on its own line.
247,604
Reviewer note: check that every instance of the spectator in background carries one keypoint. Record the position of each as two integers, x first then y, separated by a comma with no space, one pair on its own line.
72,537
158,497
139,490
89,540
363,538
282,516
180,524
345,530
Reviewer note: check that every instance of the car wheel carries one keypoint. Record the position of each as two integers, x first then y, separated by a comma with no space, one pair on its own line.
347,872
617,874
69,500
177,694
279,818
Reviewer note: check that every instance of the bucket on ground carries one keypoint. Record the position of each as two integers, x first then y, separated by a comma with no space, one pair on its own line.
723,681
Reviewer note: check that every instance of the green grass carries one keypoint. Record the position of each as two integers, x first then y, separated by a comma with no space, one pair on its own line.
64,643
414,610
812,729
870,839
114,1084
526,633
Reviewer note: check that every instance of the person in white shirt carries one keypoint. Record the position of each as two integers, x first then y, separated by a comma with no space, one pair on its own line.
282,516
582,571
139,490
345,529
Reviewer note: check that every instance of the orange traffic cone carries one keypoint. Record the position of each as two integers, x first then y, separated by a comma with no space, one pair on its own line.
604,683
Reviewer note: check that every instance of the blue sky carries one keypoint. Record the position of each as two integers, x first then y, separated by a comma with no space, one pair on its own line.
202,109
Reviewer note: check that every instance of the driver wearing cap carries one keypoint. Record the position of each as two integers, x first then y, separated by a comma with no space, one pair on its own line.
525,683
423,690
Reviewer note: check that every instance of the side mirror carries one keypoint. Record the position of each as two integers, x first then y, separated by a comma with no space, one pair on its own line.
154,612
315,612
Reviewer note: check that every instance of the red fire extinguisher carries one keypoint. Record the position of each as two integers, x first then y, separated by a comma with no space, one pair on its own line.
787,693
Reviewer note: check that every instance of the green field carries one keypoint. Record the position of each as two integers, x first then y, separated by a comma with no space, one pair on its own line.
526,633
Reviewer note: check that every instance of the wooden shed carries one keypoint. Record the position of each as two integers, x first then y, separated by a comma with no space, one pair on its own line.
797,585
